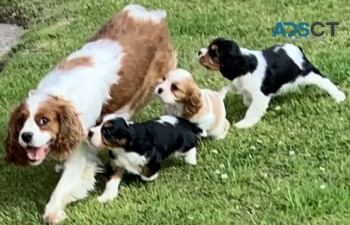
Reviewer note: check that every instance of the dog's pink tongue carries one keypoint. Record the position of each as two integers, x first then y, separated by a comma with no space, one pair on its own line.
37,154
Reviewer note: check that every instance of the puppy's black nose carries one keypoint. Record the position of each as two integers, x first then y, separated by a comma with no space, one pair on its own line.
27,137
90,134
199,53
160,90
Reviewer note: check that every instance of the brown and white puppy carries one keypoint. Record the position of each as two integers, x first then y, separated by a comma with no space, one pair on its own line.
114,72
183,98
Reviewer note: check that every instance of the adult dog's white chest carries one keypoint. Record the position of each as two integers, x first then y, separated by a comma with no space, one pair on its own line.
131,161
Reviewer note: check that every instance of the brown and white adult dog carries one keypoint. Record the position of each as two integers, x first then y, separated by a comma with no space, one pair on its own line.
204,107
115,72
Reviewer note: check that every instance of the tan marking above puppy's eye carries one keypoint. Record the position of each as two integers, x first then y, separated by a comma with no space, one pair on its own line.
214,47
107,124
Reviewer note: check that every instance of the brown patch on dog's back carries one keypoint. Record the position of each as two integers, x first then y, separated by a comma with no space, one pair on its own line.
149,57
76,62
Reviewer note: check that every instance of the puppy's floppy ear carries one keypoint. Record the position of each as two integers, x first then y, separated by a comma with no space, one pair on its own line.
15,153
229,53
192,102
116,131
70,132
124,127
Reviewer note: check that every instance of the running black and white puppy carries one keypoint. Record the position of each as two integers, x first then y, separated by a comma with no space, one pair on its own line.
139,148
259,75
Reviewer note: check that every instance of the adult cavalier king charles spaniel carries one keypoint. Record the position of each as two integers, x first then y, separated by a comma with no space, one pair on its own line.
115,72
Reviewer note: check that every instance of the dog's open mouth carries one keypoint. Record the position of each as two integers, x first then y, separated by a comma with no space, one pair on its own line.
38,153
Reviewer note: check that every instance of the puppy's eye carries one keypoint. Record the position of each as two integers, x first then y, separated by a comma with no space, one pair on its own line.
163,78
43,121
107,124
173,87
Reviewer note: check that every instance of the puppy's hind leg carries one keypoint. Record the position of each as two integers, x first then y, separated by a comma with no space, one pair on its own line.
256,110
324,83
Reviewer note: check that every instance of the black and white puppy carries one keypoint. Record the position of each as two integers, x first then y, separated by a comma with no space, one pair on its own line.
139,148
259,75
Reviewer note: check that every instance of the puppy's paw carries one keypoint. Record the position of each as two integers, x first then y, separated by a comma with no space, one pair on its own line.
107,196
222,136
203,134
245,123
339,96
53,217
190,156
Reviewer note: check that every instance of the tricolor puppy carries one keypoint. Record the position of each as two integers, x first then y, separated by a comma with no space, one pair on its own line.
115,72
183,98
139,148
260,75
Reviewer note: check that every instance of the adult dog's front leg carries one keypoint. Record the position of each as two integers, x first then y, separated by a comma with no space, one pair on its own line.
77,179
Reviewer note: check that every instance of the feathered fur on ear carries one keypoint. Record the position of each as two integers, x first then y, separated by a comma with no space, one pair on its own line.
15,153
192,102
70,133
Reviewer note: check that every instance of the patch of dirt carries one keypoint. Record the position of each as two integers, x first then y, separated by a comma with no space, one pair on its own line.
9,35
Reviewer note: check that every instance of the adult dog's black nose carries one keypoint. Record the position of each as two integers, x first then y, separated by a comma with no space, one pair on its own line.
90,134
160,90
27,137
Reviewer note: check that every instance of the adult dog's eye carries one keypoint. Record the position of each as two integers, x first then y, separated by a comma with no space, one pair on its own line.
163,78
174,87
43,121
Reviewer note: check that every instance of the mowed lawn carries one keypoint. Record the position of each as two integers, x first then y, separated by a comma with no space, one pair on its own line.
292,168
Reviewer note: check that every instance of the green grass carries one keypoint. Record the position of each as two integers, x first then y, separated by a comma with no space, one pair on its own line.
292,168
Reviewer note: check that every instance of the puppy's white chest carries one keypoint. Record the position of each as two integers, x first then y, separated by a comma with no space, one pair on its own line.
131,161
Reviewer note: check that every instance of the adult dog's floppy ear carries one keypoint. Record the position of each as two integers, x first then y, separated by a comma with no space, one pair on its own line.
70,132
15,153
